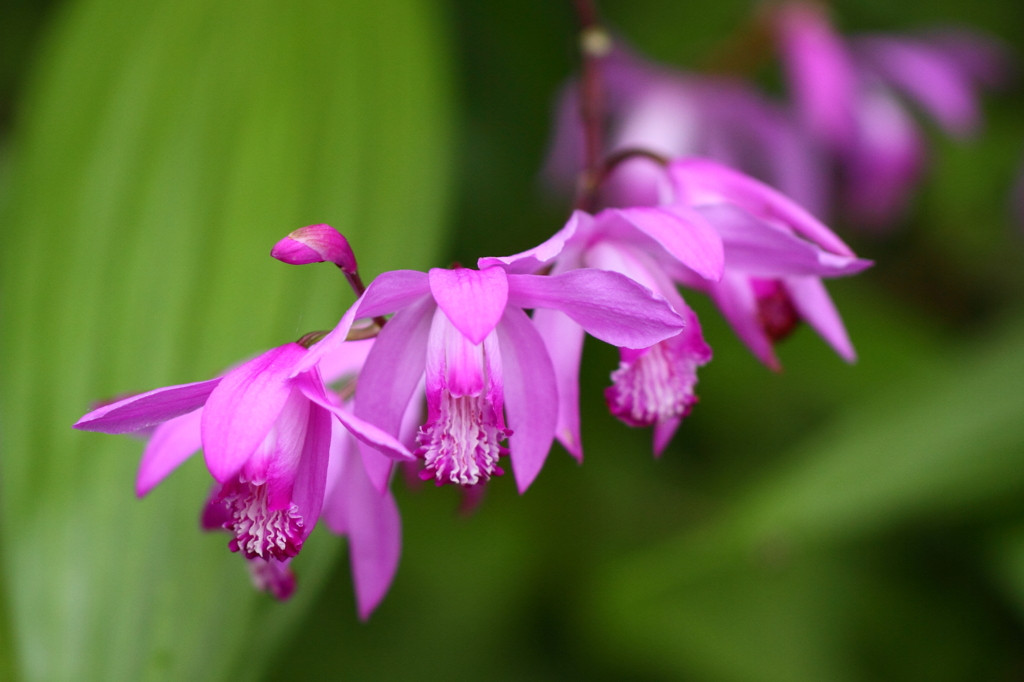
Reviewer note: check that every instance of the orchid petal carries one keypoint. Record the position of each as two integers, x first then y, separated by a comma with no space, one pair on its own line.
532,260
392,291
758,248
820,69
811,300
473,300
329,344
663,434
563,339
148,409
311,476
371,520
215,513
531,396
684,233
610,306
929,76
362,430
172,443
391,374
344,361
243,407
702,181
735,298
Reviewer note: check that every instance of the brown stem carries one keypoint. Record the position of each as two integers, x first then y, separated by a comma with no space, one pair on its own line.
595,44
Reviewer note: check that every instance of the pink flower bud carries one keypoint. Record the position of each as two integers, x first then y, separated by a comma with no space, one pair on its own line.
316,244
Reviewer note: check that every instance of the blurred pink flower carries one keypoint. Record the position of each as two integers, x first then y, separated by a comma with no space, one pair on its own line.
676,114
849,93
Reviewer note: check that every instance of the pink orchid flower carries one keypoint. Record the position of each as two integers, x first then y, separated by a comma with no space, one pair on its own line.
775,256
757,253
653,385
265,430
466,332
850,94
675,114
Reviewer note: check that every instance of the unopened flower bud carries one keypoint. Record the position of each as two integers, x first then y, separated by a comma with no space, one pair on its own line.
316,244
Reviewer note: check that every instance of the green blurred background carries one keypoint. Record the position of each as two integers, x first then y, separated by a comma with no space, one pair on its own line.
826,523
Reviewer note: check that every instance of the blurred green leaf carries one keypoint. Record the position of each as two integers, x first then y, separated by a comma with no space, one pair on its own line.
767,591
166,146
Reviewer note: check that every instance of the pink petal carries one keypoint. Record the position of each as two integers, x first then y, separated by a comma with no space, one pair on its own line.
532,260
820,71
391,291
563,339
346,360
811,300
684,233
364,431
531,396
929,76
663,433
391,374
701,182
148,409
329,344
735,298
473,300
242,409
757,248
608,305
172,443
311,475
371,521
215,514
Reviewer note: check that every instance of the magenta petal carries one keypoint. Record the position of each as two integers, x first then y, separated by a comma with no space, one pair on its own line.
820,71
215,513
563,339
684,233
148,409
929,76
735,298
172,443
311,474
531,397
391,374
362,430
608,305
393,290
757,248
242,409
702,181
663,433
346,360
532,260
371,521
329,344
811,300
473,300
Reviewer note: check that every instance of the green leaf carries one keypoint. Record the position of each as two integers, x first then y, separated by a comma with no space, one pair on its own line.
165,148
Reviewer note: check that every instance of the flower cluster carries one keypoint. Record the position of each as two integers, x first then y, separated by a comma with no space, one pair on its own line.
846,144
453,369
